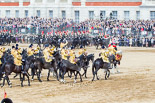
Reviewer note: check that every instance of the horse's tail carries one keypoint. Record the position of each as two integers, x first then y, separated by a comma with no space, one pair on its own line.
93,66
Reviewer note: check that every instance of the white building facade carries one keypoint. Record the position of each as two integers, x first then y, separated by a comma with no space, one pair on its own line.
79,10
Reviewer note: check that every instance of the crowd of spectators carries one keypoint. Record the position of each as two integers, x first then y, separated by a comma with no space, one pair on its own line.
122,32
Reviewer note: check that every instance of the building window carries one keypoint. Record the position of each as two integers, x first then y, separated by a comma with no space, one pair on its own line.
138,15
38,13
26,13
8,13
91,14
152,15
126,15
63,14
51,13
102,15
17,13
77,17
114,14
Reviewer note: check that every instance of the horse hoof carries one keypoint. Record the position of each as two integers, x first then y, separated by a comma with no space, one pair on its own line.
48,80
10,83
40,81
22,86
29,85
2,86
10,86
74,81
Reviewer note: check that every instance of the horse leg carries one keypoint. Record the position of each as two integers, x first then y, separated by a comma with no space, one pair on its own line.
86,73
97,76
80,76
93,73
75,77
20,76
22,80
56,73
28,79
48,75
3,81
15,75
8,81
38,76
70,74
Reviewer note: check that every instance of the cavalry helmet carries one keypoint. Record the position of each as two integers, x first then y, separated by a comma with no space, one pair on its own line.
103,47
13,47
17,45
46,45
81,46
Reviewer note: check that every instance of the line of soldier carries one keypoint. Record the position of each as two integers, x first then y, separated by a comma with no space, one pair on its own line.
65,53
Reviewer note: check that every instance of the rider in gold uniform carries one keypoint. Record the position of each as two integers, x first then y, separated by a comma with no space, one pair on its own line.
30,50
112,50
17,57
104,56
64,53
1,54
72,58
47,55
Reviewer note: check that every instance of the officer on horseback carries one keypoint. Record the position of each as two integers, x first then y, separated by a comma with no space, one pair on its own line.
47,55
1,53
30,50
104,56
17,57
82,51
13,50
111,49
72,58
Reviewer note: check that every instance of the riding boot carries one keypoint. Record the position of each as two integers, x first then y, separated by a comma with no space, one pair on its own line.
22,68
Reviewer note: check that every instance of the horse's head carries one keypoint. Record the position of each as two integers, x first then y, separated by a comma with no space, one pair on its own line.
111,58
57,55
92,57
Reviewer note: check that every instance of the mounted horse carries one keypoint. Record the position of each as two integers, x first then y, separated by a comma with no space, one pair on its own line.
100,64
11,67
65,66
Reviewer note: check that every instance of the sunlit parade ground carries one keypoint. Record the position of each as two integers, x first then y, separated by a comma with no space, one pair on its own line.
134,84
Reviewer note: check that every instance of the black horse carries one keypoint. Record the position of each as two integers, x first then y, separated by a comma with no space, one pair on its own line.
65,66
100,64
11,67
90,57
40,63
37,69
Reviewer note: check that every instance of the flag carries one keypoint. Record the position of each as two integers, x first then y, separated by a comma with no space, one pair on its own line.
5,94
